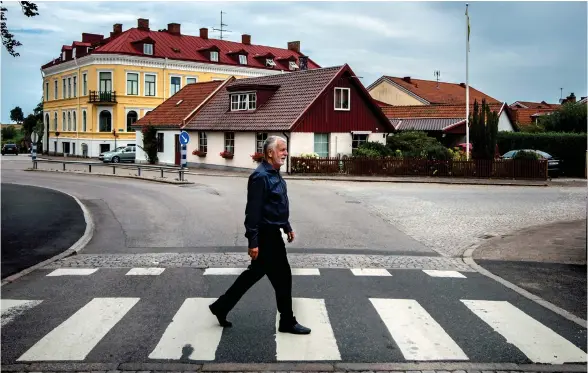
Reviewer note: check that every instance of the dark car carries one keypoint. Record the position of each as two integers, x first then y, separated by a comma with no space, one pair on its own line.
553,164
9,149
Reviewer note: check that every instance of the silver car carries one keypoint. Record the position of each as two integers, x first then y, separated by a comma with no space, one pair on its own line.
120,154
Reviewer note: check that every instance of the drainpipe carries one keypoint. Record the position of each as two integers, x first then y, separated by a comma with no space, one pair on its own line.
288,149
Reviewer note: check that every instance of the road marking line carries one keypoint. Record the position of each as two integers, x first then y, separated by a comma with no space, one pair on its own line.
194,333
11,308
417,334
370,272
145,272
538,342
305,272
74,338
320,344
238,271
438,273
73,272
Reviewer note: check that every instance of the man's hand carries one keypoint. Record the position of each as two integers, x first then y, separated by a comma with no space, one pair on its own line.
291,236
253,253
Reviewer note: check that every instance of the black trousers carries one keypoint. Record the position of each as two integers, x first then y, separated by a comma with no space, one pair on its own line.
271,261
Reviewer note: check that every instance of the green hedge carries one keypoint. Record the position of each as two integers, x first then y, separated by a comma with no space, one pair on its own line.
568,147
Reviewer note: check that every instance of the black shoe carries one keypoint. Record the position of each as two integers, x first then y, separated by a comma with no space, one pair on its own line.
294,329
222,319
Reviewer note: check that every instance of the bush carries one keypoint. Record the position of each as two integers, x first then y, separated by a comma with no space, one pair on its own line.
526,155
412,144
373,149
570,148
437,152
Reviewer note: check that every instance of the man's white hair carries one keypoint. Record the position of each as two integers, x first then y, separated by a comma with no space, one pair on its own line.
270,143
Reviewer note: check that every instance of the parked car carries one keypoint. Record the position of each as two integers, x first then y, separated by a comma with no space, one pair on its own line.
120,154
553,164
10,149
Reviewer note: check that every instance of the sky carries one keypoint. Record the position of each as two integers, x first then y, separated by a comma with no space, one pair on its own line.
524,51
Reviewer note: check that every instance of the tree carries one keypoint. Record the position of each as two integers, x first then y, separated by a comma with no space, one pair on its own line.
16,115
570,117
150,142
483,131
8,132
30,10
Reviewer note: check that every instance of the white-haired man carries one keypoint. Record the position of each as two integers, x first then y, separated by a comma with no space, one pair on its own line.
267,212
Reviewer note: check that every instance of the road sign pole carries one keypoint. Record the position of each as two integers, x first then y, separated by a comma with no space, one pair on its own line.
34,151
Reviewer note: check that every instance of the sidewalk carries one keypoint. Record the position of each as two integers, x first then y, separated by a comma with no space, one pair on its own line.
547,260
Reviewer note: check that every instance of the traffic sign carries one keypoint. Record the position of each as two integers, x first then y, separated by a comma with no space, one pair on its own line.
184,138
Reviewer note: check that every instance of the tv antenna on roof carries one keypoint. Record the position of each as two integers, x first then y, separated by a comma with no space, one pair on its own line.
221,26
437,74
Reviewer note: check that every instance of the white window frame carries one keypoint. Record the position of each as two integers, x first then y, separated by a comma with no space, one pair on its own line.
170,84
85,84
202,142
242,59
292,65
270,62
56,88
260,138
138,73
243,98
339,105
74,120
225,137
148,49
55,121
192,77
327,142
214,56
64,121
84,120
64,88
111,71
145,84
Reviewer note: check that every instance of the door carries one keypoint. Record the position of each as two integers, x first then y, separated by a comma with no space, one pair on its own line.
178,150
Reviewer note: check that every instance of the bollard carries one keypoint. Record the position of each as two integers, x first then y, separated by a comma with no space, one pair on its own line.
90,168
64,166
139,169
161,173
113,170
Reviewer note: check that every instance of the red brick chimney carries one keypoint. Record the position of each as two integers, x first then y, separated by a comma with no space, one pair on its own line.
246,39
407,79
173,28
143,24
117,28
204,33
294,46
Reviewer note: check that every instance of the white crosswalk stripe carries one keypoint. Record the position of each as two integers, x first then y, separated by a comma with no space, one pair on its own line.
238,271
370,272
438,273
194,333
145,271
72,272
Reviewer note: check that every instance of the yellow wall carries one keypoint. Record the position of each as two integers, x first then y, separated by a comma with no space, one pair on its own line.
140,103
389,94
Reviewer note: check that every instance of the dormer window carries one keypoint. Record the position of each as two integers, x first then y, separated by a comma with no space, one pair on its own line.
243,59
293,65
74,53
270,62
148,49
214,56
243,101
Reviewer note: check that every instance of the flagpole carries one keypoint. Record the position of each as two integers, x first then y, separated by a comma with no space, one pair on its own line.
467,85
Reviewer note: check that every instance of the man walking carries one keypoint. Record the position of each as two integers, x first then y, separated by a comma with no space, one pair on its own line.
267,212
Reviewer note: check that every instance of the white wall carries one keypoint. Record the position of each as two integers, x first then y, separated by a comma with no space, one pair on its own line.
301,142
504,123
93,145
339,143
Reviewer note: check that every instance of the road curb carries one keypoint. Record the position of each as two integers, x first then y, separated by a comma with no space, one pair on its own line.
72,250
293,367
469,260
120,176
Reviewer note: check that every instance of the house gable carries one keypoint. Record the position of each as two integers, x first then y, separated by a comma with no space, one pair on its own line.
383,90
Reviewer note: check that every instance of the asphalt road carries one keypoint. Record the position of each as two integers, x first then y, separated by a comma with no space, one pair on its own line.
37,223
109,316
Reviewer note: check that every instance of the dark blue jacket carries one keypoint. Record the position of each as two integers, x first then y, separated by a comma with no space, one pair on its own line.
267,202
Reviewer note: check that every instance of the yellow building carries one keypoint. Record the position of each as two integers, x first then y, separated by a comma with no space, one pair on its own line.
99,86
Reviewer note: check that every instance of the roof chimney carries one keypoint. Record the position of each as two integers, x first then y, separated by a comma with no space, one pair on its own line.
173,28
204,33
571,98
294,46
143,24
407,79
246,39
117,29
462,85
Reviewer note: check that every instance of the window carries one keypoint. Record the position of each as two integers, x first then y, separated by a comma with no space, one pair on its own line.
75,120
75,86
55,94
68,87
47,91
84,128
243,101
63,56
243,59
132,84
270,62
176,82
261,137
73,53
105,81
342,98
47,121
63,123
55,122
357,140
191,80
202,142
292,65
148,49
214,56
64,89
105,121
149,85
321,144
132,117
160,142
230,142
69,121
85,84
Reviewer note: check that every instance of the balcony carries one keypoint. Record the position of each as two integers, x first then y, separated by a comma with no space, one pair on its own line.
102,97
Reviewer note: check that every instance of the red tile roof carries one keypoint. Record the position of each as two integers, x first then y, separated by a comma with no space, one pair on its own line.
534,105
525,117
432,111
172,112
190,48
439,92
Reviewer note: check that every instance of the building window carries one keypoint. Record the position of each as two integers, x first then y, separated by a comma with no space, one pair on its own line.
75,87
47,91
47,121
85,84
73,53
69,120
55,94
75,122
357,140
84,128
261,137
149,85
55,122
133,84
270,62
292,65
132,117
243,59
191,80
321,144
243,101
230,142
105,121
105,81
64,89
202,142
63,123
160,142
342,98
214,56
148,49
68,87
63,56
176,82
